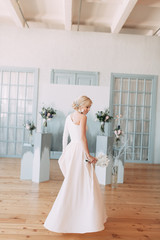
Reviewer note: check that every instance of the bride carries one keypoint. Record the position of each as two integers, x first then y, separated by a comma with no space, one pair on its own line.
79,206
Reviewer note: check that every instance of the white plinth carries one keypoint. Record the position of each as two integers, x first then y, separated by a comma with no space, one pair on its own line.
104,144
41,160
120,164
104,174
26,162
120,178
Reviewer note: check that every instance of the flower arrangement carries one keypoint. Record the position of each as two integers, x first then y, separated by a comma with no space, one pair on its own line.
30,126
118,130
118,161
47,113
103,117
118,133
121,150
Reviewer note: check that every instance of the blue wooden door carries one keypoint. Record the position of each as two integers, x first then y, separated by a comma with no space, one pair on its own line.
134,98
18,101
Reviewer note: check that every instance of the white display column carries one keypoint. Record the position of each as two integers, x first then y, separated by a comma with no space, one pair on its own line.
41,160
120,164
27,162
104,145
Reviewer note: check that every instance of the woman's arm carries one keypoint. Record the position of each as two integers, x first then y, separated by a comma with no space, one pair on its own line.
65,136
83,123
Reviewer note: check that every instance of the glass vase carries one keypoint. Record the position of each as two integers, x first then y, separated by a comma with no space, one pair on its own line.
30,138
114,176
45,130
102,129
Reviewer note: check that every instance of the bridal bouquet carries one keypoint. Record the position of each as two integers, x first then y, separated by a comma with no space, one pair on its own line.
102,160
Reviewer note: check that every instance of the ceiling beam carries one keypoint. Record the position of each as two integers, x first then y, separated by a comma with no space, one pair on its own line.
68,14
122,15
15,12
138,31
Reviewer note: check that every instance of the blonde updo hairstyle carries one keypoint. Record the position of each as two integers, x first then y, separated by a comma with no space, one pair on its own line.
82,101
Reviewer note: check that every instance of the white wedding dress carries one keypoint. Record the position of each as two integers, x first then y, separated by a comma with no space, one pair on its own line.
79,206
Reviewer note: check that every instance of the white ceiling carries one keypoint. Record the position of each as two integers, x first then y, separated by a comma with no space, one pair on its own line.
112,16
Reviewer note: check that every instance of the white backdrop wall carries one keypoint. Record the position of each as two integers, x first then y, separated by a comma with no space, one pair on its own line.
83,51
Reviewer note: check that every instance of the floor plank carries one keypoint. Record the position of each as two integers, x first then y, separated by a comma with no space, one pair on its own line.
133,208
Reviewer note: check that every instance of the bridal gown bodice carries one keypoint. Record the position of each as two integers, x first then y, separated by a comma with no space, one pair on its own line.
73,130
79,206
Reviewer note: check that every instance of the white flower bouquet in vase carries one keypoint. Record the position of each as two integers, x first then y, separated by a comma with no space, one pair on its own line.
30,127
118,133
47,114
103,117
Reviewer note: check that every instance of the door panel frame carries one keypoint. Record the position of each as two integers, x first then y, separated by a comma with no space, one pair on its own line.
19,70
154,79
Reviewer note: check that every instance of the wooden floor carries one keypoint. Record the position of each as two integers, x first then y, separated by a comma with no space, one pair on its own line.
133,208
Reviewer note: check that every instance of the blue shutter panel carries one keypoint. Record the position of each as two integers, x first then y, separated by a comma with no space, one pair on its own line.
74,77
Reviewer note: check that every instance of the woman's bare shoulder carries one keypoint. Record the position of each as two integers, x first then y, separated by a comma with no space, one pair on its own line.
83,118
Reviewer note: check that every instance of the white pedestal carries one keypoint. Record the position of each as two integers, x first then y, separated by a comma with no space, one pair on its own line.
26,162
104,144
120,164
104,174
41,161
120,178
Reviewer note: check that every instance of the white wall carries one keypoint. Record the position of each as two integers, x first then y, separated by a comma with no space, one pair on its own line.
84,51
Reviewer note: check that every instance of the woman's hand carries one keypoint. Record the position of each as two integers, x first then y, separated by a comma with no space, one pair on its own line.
91,159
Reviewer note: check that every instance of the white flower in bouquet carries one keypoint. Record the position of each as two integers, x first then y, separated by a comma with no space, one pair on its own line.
107,117
103,160
27,126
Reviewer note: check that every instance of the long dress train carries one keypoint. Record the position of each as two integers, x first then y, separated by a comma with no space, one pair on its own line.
79,206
